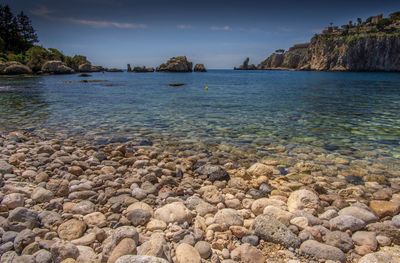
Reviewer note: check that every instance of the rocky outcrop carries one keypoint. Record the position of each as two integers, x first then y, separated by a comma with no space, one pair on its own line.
142,69
14,68
176,64
113,70
56,67
297,57
199,68
86,67
246,66
367,52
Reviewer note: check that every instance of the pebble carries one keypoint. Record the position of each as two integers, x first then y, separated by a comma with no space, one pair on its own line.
322,251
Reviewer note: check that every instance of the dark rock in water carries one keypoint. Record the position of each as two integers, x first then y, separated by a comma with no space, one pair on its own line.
92,80
176,84
331,147
113,70
145,142
118,140
246,66
176,64
84,75
352,179
213,172
199,68
142,69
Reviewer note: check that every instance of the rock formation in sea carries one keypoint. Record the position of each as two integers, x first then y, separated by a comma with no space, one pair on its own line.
137,69
176,64
199,68
372,45
56,67
246,66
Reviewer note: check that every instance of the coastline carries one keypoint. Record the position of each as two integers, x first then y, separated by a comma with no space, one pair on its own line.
82,195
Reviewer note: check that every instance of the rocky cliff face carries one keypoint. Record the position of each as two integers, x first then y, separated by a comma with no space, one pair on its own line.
370,52
296,57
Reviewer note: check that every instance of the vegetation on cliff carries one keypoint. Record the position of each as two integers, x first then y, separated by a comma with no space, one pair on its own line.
18,41
370,45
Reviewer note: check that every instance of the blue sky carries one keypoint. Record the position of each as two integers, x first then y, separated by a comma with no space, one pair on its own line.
220,34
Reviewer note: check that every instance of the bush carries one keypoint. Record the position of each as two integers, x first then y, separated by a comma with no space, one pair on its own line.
17,57
55,54
36,56
383,23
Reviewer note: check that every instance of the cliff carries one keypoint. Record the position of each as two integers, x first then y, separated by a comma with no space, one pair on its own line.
297,57
364,52
372,45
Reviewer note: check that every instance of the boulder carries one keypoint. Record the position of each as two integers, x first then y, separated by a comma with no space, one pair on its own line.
213,172
71,229
14,68
246,66
199,68
322,251
56,67
175,212
185,253
303,200
140,259
228,217
86,67
272,230
176,64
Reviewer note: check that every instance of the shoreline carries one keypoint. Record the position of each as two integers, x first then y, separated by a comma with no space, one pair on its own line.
96,203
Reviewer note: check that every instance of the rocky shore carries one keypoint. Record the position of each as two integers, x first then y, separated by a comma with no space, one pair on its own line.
71,201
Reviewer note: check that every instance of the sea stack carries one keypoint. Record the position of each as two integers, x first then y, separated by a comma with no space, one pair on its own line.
176,64
200,68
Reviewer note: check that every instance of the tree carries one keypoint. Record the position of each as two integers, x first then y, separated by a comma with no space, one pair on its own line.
36,56
55,54
359,21
383,23
280,51
26,32
16,31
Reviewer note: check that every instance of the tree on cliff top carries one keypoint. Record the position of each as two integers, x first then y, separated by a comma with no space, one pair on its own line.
16,32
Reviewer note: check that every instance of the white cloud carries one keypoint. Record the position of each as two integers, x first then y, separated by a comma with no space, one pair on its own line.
42,11
221,28
45,12
106,24
183,26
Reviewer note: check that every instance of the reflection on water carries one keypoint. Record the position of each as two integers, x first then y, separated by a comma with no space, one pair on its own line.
350,113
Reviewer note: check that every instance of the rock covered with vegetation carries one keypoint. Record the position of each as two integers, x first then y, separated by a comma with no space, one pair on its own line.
18,41
176,64
371,45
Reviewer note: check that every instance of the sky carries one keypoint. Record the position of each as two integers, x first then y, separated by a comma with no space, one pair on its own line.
220,34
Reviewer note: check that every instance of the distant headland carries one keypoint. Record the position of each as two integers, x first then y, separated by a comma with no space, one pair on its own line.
370,45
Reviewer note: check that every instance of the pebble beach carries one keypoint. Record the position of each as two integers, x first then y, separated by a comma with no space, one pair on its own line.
71,201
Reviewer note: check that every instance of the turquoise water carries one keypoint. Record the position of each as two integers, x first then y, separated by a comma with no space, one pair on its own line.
337,112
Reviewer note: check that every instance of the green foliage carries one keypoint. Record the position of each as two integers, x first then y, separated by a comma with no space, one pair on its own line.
395,16
75,61
2,45
55,54
16,31
280,51
36,56
383,23
16,57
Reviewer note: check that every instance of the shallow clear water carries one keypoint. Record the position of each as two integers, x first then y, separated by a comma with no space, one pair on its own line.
346,112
